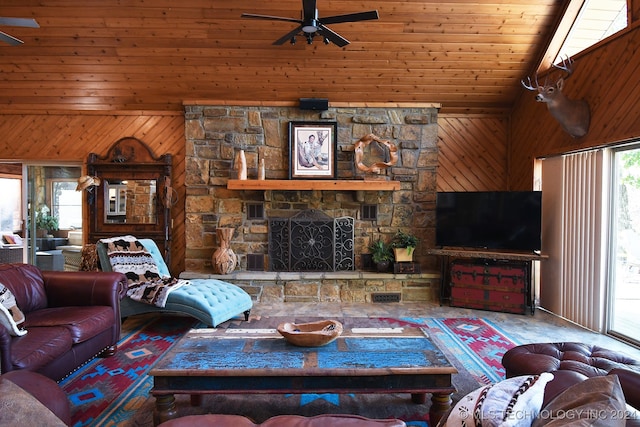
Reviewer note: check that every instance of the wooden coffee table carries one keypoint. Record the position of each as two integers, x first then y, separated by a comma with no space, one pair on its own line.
361,360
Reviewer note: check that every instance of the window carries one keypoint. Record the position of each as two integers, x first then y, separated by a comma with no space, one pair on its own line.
66,203
591,233
10,211
625,245
597,20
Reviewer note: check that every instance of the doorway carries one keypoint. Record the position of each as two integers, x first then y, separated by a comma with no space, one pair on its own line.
41,208
624,295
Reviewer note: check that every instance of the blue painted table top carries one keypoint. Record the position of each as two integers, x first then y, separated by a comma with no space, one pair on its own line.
250,352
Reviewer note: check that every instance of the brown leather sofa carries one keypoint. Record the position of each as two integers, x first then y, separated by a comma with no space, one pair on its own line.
337,420
571,363
28,398
70,318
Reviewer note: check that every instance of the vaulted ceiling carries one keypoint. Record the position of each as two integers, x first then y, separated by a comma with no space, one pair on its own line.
137,55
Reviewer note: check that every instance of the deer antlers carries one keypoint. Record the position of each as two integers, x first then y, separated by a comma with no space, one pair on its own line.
530,86
567,67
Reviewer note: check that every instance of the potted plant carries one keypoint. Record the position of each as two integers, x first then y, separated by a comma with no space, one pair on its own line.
381,255
45,223
403,245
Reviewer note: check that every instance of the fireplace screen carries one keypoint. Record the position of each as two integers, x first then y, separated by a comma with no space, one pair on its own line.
311,241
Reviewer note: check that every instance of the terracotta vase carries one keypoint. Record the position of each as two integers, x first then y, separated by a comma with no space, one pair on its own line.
241,165
224,260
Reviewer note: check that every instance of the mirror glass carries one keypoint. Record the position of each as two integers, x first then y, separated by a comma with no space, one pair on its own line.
130,201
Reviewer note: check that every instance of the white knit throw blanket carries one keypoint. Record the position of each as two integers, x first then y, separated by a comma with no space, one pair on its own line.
128,256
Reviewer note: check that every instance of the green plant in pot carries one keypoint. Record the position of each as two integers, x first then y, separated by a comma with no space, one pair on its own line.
45,223
403,245
381,255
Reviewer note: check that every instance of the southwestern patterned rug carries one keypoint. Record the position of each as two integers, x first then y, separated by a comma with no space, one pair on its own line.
115,391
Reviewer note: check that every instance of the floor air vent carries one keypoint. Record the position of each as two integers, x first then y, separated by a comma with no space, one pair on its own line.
389,297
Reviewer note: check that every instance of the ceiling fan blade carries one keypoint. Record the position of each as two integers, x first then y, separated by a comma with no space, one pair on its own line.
350,17
19,22
10,39
270,18
309,10
333,37
287,37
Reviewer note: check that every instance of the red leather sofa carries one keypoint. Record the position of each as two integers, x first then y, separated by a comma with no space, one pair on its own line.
70,318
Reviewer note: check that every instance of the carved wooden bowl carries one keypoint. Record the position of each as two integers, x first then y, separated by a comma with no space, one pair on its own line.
313,334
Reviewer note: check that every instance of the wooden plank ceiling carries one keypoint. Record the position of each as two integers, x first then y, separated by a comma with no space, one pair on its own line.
137,55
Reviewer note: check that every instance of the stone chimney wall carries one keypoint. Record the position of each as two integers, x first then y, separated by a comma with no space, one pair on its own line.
215,134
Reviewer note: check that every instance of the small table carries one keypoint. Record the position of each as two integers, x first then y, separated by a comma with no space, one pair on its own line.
361,360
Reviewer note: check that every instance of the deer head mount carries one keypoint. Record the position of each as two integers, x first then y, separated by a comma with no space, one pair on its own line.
573,115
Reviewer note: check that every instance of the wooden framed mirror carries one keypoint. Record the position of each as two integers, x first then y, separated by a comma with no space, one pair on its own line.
134,195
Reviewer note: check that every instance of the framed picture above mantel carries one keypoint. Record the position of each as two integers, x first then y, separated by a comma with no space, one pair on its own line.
312,150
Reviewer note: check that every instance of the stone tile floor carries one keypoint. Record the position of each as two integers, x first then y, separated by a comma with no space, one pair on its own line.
542,326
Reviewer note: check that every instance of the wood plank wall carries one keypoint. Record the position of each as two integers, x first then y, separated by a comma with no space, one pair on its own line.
146,55
473,149
71,137
607,77
472,153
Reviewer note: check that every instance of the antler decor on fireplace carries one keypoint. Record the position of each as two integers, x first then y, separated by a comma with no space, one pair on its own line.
389,150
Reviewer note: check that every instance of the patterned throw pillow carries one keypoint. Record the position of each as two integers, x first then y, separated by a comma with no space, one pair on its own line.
11,317
512,402
12,239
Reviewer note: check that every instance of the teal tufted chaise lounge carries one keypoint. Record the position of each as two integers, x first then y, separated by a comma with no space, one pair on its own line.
211,301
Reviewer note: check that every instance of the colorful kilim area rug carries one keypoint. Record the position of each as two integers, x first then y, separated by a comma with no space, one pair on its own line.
101,391
115,391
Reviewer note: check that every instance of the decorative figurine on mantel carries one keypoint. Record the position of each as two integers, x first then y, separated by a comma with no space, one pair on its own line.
241,165
388,150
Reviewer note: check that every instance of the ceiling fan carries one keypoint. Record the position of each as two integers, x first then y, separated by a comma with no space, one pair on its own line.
16,22
312,25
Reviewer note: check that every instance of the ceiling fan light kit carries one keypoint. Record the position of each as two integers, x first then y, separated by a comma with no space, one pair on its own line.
310,27
311,24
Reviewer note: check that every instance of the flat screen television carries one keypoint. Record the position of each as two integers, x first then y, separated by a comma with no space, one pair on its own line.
505,220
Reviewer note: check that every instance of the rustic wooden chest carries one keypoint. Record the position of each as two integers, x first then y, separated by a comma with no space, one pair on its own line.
490,285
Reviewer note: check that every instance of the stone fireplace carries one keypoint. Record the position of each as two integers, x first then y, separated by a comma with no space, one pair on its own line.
215,134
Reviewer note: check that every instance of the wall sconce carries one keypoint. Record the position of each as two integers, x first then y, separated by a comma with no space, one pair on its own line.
170,194
86,182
